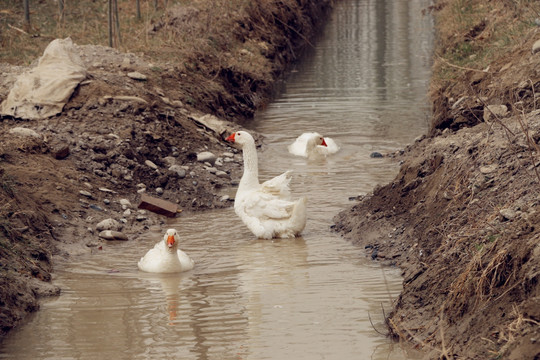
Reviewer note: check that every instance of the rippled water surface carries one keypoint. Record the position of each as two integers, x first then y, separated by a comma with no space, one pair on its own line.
363,84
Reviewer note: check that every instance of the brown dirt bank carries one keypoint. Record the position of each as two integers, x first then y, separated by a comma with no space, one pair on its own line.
462,216
212,58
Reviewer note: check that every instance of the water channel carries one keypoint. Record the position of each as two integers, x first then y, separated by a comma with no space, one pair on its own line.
363,84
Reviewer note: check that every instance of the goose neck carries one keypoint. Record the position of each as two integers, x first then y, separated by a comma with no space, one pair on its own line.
251,167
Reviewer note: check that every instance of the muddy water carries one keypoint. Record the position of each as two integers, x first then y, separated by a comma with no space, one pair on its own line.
364,85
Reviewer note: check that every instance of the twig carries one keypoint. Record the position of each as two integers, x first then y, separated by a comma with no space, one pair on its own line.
459,67
19,30
296,31
373,326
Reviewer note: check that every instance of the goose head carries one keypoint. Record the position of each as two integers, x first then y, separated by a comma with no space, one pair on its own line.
241,138
171,239
316,140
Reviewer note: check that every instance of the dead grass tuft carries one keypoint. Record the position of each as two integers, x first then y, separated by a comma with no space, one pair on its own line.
489,271
509,333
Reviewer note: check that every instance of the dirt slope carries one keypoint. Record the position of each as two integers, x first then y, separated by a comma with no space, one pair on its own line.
113,125
462,216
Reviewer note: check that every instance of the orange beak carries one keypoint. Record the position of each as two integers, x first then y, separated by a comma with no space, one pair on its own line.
324,143
170,241
231,137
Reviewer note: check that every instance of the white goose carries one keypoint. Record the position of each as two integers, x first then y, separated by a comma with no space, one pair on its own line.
313,145
165,257
266,208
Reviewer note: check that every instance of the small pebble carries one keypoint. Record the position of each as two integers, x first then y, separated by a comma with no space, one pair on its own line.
86,193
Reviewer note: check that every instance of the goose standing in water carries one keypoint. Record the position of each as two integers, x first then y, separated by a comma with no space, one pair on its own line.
266,209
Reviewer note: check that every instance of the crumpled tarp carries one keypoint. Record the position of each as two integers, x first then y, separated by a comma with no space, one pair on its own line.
44,90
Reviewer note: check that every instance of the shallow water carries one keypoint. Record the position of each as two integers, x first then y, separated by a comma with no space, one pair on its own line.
364,85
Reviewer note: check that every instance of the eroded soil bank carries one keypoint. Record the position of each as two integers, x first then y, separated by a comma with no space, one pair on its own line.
123,135
461,218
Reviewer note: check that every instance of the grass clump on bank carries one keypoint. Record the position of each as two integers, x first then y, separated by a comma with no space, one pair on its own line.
473,32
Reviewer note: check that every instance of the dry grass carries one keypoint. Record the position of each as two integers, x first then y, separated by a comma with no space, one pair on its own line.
86,23
474,39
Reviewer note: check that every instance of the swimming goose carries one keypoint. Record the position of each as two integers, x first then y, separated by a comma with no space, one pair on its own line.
313,145
266,209
165,257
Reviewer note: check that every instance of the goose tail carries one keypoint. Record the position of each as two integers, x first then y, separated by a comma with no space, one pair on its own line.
299,216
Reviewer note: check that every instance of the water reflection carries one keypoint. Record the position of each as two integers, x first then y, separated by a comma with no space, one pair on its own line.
359,82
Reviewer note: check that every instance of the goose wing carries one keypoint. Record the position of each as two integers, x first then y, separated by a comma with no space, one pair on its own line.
264,206
278,186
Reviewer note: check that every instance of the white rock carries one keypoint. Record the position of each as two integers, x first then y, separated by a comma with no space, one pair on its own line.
20,131
108,224
536,47
86,193
112,235
125,202
107,190
179,170
137,76
151,164
112,137
492,111
206,156
508,214
169,160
